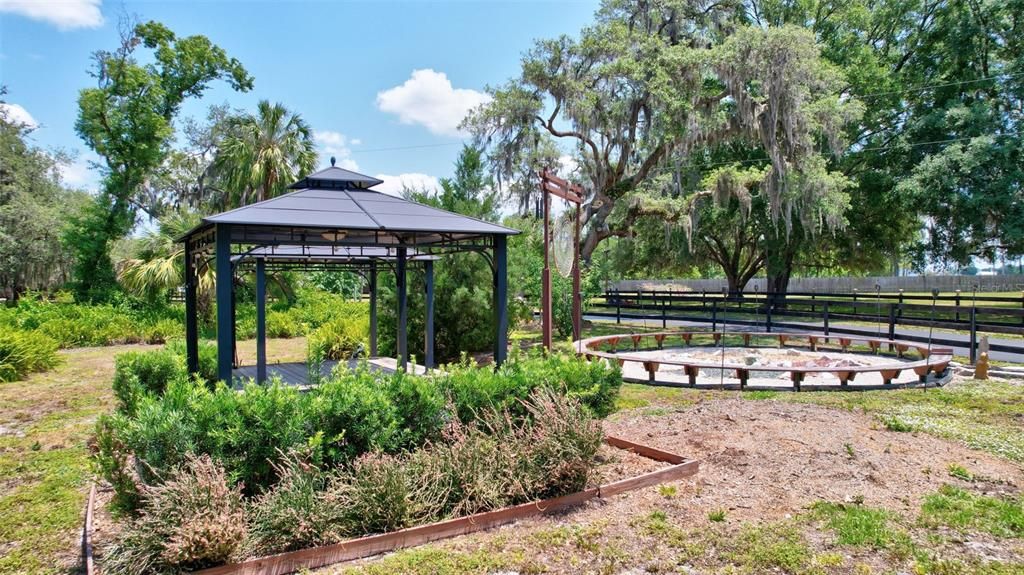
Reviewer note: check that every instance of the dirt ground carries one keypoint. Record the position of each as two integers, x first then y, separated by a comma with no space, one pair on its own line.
763,464
768,459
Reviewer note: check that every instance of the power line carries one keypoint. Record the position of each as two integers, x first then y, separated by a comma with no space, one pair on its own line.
677,166
414,147
941,85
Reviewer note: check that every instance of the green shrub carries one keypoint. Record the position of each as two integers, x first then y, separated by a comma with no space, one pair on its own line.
474,390
207,358
342,337
147,372
23,352
162,330
283,324
115,463
354,415
420,408
300,511
193,520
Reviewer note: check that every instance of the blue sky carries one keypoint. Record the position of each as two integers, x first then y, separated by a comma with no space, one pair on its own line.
365,75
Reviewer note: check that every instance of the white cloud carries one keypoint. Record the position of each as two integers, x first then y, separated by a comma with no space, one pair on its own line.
394,185
64,14
428,98
335,144
18,115
567,165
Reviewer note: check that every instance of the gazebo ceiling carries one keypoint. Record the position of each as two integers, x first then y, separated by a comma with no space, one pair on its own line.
334,255
334,207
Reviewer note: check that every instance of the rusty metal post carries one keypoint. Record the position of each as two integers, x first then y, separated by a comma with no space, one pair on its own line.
577,298
545,277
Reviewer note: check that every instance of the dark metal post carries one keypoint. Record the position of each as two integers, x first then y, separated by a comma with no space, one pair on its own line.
618,309
428,331
664,319
225,338
714,315
191,313
500,299
825,311
973,344
234,320
768,312
373,309
261,320
958,306
892,321
402,343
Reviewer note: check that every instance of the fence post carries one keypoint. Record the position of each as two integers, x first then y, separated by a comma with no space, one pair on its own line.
892,323
664,319
714,315
703,298
768,312
972,345
958,306
618,310
826,319
813,308
901,303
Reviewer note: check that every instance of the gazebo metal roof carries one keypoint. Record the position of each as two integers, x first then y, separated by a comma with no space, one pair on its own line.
335,207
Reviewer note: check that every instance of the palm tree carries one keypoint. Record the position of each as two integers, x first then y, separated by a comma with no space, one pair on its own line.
263,153
160,259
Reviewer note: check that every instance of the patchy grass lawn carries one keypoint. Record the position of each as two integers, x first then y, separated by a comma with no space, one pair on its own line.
46,421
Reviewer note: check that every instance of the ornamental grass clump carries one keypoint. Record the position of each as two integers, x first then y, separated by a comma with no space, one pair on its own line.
299,511
192,520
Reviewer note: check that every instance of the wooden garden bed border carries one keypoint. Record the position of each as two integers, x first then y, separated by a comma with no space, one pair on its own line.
351,549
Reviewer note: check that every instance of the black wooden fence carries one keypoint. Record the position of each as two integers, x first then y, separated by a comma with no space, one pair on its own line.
885,312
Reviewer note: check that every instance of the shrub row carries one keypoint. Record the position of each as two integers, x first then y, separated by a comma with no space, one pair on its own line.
78,325
24,352
197,519
163,416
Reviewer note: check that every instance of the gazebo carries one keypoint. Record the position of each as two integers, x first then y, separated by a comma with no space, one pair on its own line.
334,219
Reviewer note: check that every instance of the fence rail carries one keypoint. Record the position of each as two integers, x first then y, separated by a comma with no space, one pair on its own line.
1002,315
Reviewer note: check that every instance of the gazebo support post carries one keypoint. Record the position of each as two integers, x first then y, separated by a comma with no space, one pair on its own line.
225,339
500,298
261,320
428,331
402,343
191,313
373,309
234,320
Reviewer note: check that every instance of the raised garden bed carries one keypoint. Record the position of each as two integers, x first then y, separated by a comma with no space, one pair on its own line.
361,547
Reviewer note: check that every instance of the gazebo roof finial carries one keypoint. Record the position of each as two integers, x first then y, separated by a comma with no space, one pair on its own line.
332,161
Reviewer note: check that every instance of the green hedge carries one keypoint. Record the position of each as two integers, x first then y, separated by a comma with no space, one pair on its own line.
199,517
24,352
163,416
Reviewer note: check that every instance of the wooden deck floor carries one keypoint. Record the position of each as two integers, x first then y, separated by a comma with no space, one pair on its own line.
297,373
